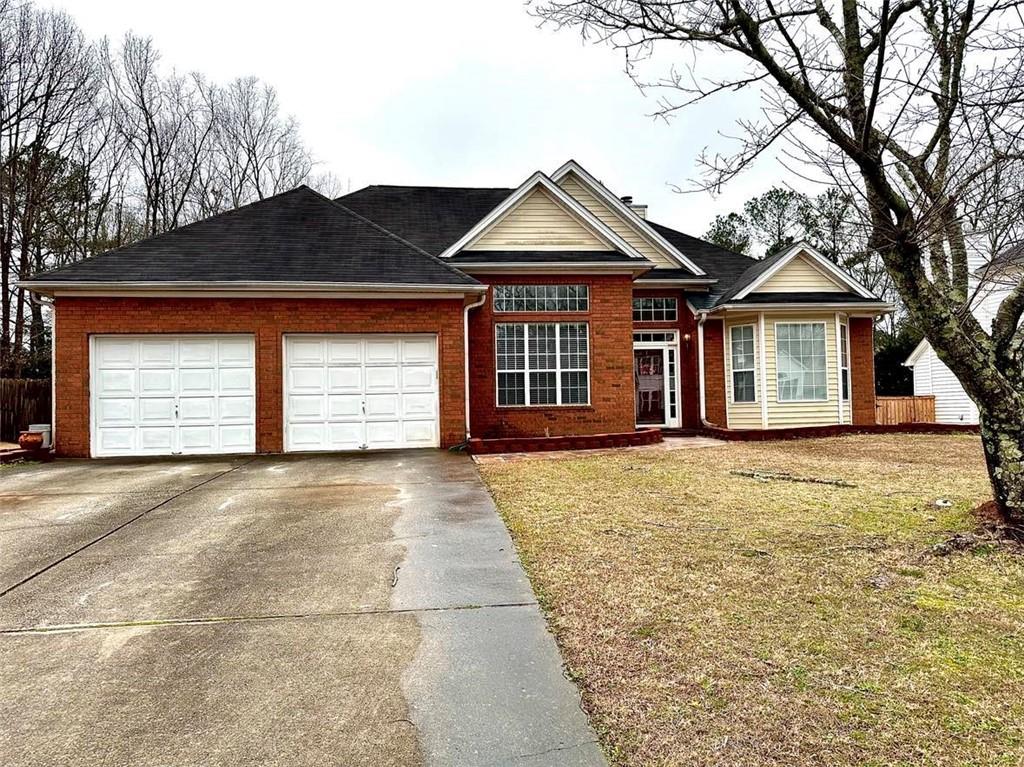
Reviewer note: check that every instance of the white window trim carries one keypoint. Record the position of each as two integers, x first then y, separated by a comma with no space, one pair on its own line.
778,389
844,369
663,298
733,370
558,369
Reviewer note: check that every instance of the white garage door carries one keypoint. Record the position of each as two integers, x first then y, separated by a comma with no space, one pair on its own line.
170,395
360,392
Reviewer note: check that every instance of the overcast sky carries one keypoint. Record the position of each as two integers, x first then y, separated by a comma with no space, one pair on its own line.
445,92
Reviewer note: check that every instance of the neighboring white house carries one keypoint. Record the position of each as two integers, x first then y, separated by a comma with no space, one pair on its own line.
931,376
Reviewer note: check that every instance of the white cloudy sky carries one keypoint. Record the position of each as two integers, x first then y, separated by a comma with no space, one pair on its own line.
445,92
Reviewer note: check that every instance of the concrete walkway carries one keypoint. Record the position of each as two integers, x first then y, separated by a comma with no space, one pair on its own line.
300,610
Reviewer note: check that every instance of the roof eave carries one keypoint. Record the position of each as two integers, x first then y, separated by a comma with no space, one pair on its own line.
51,288
875,307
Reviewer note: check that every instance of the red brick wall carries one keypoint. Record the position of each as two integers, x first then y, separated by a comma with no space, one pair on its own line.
862,369
611,363
686,325
267,319
714,372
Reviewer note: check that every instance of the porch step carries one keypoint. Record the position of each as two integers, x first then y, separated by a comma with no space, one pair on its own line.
681,432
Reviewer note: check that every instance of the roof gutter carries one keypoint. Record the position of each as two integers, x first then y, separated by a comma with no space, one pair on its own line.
876,306
50,287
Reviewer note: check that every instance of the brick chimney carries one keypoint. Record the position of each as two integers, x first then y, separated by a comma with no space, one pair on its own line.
640,210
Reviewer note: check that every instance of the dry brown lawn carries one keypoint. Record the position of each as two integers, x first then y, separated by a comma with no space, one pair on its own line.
715,619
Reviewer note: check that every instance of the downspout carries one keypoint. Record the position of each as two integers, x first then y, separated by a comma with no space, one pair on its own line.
465,352
701,317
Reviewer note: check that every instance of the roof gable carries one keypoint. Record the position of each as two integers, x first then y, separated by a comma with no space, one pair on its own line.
799,275
762,271
621,218
541,216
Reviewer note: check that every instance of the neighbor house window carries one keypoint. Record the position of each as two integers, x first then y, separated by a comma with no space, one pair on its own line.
542,363
654,310
844,359
541,298
800,361
741,345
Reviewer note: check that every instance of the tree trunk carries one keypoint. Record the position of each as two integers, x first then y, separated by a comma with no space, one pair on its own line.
1003,440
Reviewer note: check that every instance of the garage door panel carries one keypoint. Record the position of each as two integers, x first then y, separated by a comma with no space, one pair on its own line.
235,409
382,379
157,382
156,410
156,354
116,411
344,352
419,433
345,406
117,382
345,379
381,352
197,409
418,378
367,387
236,381
197,381
156,439
162,395
305,352
418,405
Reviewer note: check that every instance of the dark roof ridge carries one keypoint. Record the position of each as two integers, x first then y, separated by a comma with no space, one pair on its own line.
429,186
727,250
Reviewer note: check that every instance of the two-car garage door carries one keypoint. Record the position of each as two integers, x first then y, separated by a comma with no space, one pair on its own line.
169,395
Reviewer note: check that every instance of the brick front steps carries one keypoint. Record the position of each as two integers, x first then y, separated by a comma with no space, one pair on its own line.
580,442
15,455
810,432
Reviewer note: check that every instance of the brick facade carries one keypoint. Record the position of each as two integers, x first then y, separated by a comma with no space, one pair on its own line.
611,407
714,372
268,319
862,369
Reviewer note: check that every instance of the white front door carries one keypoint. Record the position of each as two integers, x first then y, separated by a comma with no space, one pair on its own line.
346,392
170,395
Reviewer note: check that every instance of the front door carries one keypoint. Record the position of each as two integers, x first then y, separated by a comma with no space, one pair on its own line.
649,380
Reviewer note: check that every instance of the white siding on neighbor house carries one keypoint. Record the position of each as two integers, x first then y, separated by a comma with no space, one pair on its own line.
609,218
931,376
800,275
538,223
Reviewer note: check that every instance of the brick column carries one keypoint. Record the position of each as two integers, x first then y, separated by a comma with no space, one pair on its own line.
714,372
862,369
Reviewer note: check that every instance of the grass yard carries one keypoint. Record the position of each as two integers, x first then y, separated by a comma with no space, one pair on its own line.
717,619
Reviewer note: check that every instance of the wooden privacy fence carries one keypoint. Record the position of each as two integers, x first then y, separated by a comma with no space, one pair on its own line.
22,401
896,410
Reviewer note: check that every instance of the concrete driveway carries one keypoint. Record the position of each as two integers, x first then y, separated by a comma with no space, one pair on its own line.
300,610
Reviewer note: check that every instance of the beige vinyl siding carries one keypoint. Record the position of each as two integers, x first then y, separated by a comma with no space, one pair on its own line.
800,276
794,414
612,220
538,223
742,415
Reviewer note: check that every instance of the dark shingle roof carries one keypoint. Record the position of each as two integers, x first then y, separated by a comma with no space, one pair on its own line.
823,297
296,236
431,217
719,263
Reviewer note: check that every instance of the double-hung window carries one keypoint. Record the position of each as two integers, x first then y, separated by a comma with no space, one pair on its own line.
542,363
800,361
741,348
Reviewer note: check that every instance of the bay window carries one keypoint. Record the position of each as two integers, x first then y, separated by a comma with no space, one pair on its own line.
844,359
542,363
800,361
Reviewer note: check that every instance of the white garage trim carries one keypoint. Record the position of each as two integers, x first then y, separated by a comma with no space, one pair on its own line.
157,394
360,392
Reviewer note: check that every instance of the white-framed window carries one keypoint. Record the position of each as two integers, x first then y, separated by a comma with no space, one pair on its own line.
542,363
655,309
541,298
800,362
741,352
844,359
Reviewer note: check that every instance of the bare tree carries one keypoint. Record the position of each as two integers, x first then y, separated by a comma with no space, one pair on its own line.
909,104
